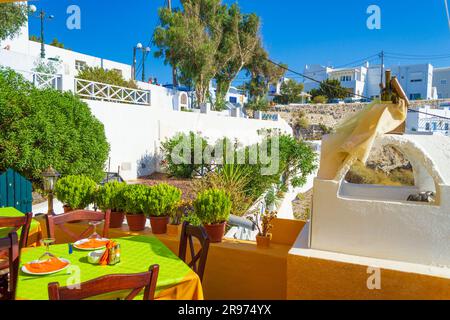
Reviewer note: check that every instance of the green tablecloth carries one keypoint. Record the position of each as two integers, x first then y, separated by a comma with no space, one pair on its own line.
175,281
35,227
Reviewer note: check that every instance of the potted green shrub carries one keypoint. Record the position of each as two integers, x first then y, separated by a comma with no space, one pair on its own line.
75,192
213,208
109,196
135,197
161,203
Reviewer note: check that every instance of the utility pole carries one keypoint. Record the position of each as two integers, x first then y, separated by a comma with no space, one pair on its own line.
174,70
382,71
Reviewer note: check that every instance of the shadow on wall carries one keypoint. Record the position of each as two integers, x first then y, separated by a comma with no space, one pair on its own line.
147,164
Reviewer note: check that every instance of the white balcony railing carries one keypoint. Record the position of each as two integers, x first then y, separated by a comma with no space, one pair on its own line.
106,92
46,81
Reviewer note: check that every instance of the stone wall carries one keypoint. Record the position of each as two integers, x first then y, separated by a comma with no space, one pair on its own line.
332,114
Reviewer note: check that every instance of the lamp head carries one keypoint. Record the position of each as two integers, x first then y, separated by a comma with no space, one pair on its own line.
49,177
32,8
139,45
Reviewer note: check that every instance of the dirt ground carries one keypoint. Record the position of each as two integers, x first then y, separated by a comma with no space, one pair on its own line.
302,205
185,185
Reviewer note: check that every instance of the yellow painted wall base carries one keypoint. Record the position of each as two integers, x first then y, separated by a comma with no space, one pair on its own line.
311,278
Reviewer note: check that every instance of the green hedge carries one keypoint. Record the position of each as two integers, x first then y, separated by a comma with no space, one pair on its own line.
76,191
40,128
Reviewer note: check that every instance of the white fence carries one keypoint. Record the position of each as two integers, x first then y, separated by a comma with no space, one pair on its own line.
46,81
106,92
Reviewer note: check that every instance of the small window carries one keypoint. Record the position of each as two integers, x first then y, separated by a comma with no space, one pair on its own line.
446,126
416,80
434,126
80,65
427,126
233,99
443,81
415,96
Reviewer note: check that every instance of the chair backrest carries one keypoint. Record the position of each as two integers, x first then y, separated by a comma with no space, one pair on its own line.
15,223
11,244
60,220
198,259
109,284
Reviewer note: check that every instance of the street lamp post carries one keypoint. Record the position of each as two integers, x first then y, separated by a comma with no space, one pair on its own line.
49,177
145,53
133,71
42,15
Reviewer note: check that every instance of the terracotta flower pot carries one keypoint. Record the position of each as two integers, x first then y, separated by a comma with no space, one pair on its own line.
136,222
215,231
263,241
116,219
66,208
159,224
174,230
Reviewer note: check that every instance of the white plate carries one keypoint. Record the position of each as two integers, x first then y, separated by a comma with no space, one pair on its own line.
45,273
88,249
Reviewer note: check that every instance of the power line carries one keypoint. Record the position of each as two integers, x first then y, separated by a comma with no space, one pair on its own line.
382,54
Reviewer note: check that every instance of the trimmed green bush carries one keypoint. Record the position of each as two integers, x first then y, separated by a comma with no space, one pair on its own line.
42,128
213,206
76,191
109,196
192,219
162,200
135,198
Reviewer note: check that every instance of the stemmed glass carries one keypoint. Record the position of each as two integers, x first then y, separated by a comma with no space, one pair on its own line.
47,255
94,234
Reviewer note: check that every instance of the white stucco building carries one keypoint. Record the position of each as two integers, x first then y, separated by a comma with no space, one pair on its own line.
416,80
429,120
441,81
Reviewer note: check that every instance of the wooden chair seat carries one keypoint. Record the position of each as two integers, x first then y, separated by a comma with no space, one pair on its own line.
109,284
8,286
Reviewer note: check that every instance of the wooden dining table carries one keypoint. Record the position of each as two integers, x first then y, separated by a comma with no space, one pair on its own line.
176,281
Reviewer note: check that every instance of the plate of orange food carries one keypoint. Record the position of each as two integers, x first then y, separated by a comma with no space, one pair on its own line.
91,244
50,266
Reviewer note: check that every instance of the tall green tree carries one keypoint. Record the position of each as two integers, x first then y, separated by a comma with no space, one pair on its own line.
330,88
239,41
290,92
12,17
190,40
262,73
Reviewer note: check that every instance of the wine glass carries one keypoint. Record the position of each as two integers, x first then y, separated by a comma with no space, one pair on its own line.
47,255
94,234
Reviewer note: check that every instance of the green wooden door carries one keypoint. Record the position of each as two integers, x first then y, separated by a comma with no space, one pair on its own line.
15,191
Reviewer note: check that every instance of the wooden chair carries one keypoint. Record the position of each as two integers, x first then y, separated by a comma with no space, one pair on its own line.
198,260
11,244
109,284
60,220
15,223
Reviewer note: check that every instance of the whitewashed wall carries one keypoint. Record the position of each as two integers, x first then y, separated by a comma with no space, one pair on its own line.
135,132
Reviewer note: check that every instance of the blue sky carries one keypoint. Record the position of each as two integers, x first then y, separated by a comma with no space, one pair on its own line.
296,32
